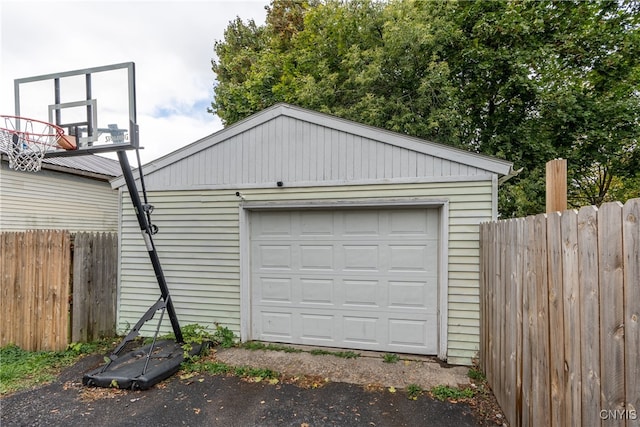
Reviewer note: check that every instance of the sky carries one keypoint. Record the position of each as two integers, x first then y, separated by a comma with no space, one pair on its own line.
170,42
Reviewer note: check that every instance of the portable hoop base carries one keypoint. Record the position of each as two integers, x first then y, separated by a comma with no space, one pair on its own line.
128,371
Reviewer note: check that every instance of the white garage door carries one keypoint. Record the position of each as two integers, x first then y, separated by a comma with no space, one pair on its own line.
363,279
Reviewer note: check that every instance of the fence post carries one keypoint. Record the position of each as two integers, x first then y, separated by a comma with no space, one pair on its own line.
556,185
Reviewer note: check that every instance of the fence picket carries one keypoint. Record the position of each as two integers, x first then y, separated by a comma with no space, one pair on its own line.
510,287
540,380
556,318
590,312
8,276
500,294
631,250
519,283
611,309
571,310
528,324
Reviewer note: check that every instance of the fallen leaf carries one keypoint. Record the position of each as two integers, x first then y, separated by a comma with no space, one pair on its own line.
392,389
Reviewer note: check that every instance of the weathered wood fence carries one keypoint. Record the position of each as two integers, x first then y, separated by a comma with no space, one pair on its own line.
95,276
56,287
560,316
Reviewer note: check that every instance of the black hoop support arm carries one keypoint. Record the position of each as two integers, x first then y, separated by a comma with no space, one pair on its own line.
146,230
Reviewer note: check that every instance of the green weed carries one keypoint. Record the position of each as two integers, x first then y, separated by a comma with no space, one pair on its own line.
21,369
343,354
443,392
256,345
390,358
414,391
224,336
221,368
476,374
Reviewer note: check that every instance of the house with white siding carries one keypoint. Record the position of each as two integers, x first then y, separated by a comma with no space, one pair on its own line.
70,193
293,226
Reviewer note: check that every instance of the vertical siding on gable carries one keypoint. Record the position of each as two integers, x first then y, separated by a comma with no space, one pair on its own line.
198,245
287,149
55,200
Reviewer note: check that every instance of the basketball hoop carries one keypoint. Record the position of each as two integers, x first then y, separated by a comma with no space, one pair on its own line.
25,141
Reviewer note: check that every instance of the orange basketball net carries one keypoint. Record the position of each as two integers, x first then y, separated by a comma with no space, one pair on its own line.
26,141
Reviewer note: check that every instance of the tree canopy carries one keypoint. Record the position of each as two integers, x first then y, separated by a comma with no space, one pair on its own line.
527,81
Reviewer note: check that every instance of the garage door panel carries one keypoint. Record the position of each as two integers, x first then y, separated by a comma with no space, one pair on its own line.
316,224
366,330
413,258
274,257
346,294
360,257
412,295
361,279
275,290
316,257
364,293
317,326
273,224
361,223
413,223
276,325
411,333
362,330
316,291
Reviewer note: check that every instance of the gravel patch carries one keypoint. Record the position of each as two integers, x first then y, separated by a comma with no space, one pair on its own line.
367,369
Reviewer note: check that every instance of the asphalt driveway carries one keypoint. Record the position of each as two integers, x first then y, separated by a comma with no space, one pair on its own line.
207,400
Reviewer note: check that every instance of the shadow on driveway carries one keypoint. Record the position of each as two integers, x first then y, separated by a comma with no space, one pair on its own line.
206,400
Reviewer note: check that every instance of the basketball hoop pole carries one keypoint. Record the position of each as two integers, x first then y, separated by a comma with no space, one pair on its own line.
145,228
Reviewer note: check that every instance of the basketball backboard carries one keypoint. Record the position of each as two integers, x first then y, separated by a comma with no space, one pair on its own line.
96,105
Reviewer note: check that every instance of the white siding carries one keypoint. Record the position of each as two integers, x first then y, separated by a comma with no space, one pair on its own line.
199,248
55,200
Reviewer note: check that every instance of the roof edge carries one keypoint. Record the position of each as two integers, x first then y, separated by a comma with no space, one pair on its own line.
71,171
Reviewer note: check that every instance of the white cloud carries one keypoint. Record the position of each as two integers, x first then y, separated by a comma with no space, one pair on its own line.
171,43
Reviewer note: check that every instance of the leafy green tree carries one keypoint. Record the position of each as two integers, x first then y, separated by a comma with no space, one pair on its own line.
525,81
590,100
541,80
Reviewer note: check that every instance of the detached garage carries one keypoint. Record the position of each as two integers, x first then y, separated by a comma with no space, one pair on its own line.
297,227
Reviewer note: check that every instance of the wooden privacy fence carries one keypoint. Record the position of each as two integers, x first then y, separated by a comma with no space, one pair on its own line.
95,276
560,313
35,289
42,272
